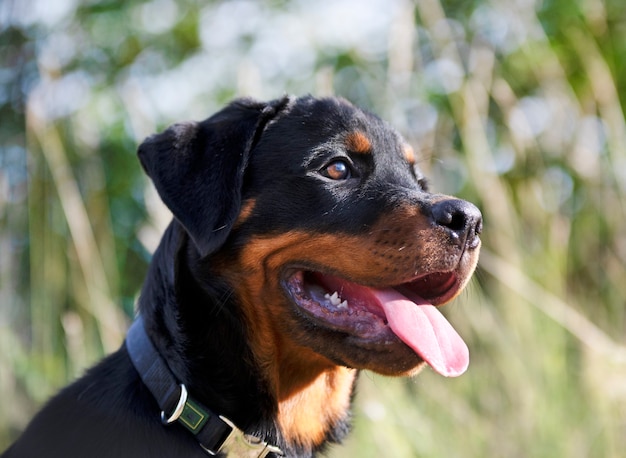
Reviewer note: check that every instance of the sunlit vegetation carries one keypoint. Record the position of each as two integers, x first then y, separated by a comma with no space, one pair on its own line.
514,105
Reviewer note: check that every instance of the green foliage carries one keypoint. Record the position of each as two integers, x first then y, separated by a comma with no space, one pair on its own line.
516,106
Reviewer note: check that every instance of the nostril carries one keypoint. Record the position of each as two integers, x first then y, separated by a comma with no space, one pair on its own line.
449,217
458,222
449,214
459,216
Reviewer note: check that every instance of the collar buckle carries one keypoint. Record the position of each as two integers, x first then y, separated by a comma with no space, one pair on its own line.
180,406
239,444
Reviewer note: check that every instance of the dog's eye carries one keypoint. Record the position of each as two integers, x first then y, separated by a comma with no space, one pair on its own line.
337,170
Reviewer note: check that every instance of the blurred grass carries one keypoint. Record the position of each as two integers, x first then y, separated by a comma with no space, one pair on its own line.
516,106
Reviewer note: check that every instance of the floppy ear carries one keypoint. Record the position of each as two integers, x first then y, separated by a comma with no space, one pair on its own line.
198,168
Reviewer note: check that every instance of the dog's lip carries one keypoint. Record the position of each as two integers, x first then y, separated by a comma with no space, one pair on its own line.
379,316
438,288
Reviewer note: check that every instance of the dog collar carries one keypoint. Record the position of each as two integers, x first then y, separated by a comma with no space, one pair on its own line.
215,433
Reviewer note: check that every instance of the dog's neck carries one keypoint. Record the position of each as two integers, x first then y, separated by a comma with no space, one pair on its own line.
196,333
318,411
198,330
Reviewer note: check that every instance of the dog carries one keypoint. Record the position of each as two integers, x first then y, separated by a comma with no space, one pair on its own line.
305,247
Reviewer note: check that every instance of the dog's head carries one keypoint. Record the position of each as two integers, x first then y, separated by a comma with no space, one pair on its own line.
317,215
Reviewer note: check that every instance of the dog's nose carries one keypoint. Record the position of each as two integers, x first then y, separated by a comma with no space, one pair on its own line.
461,218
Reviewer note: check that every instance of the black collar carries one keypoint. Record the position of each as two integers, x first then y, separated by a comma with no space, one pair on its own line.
215,433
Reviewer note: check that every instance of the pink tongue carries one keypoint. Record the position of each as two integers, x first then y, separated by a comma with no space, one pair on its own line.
423,328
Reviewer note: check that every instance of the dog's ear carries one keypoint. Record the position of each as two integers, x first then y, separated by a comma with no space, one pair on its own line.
198,168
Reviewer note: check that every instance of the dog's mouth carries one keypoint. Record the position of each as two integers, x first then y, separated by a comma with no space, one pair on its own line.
406,311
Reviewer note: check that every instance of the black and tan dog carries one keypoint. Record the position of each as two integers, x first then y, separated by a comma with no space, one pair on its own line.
305,246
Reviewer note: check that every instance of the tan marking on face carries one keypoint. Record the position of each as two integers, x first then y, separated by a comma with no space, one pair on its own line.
357,142
246,210
409,154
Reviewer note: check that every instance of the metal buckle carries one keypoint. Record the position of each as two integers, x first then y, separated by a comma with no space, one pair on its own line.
243,445
179,407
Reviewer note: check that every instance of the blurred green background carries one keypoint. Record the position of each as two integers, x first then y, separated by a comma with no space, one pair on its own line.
516,105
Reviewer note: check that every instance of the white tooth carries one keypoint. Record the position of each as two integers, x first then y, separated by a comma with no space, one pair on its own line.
327,296
334,299
343,305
